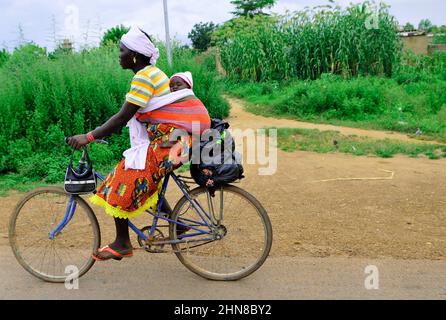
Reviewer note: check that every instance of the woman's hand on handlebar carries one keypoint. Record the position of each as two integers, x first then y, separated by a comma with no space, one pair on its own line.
77,142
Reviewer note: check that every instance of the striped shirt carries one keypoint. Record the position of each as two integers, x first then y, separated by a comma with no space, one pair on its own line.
148,83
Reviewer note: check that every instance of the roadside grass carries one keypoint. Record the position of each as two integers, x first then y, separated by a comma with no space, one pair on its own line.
14,181
292,139
268,112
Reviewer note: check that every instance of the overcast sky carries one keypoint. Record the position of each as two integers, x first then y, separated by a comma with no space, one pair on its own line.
42,21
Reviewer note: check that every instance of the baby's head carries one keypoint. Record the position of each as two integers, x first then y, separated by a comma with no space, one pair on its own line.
180,81
207,172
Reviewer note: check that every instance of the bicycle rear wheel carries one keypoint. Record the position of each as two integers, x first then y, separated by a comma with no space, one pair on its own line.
243,238
38,214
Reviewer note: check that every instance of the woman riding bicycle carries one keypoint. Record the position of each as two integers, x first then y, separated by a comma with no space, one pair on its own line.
132,187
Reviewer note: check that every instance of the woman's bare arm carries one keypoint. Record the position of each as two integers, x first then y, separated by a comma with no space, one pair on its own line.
114,124
117,122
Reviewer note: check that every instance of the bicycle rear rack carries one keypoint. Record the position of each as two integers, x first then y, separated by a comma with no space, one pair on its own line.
186,182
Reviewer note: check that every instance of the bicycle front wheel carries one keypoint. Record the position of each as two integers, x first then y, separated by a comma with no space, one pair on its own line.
48,255
243,237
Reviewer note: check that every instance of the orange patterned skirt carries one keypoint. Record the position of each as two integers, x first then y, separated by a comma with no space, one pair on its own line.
128,193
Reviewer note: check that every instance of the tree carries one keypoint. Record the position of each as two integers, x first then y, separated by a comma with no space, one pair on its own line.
201,35
438,29
249,8
4,56
425,25
409,27
114,35
230,29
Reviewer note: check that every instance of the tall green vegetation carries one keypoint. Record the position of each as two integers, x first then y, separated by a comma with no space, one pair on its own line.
358,40
409,27
250,8
425,25
4,56
439,39
43,100
439,29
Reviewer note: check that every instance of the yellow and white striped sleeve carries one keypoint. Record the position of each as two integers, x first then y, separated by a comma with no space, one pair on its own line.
141,91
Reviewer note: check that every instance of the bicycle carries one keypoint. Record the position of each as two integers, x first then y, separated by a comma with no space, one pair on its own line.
220,243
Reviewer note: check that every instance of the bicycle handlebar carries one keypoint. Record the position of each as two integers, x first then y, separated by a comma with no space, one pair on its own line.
100,141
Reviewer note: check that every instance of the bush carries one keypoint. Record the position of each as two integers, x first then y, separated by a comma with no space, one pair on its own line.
439,39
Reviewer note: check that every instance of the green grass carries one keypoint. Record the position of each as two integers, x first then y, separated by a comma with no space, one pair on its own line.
17,182
292,139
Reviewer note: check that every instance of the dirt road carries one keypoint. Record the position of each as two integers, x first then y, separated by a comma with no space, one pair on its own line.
325,234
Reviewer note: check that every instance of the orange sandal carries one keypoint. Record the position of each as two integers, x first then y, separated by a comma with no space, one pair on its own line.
113,254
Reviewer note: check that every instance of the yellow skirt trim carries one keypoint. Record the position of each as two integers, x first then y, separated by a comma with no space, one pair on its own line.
116,212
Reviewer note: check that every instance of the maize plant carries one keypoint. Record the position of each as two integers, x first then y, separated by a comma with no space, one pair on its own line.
359,40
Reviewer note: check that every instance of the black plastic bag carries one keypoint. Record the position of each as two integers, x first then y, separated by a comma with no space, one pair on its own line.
221,163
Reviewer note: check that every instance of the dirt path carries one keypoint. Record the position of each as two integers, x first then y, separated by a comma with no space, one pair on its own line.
242,119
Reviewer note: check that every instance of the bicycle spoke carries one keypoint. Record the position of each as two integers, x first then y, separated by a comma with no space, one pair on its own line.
40,214
245,233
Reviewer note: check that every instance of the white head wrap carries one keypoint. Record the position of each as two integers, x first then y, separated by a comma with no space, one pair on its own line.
137,41
186,76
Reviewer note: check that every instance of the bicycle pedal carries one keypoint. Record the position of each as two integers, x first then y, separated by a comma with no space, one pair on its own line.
153,250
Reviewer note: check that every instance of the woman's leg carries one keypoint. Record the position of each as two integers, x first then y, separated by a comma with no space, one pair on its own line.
122,241
122,244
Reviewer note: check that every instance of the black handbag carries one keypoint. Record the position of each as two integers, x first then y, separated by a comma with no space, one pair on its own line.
81,180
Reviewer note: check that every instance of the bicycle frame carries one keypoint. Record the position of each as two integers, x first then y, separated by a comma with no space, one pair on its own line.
71,208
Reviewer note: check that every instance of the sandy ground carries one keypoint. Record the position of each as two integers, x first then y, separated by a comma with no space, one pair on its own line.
400,220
